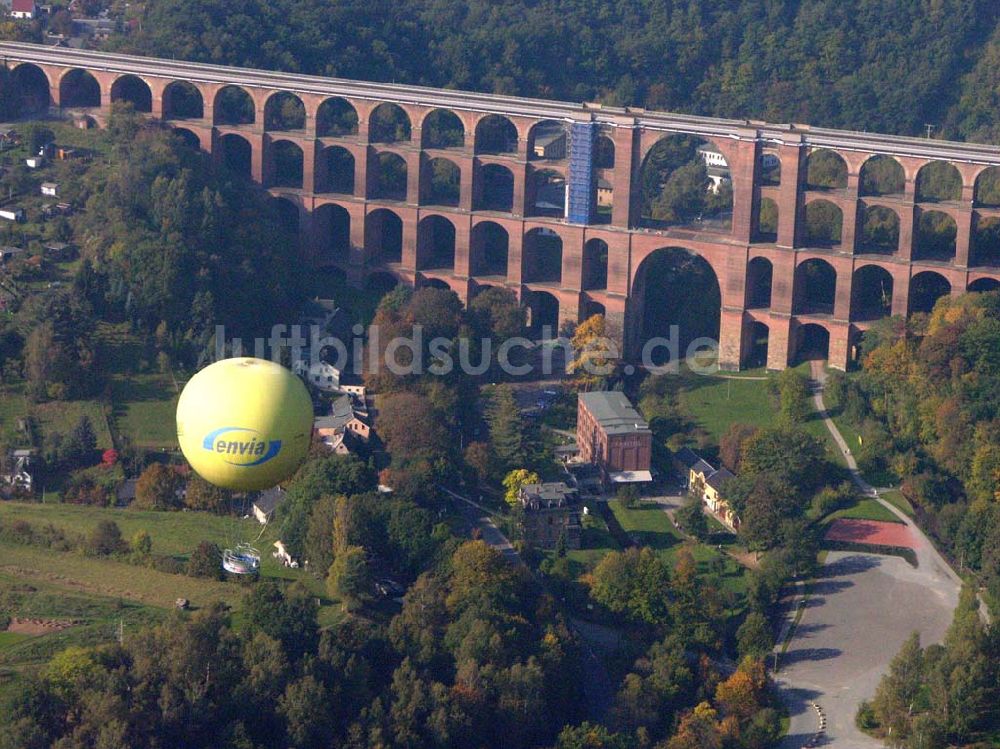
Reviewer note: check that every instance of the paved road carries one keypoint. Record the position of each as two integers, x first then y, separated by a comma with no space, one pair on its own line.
860,611
478,516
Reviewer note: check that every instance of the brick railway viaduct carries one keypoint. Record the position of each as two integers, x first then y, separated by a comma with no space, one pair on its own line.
563,261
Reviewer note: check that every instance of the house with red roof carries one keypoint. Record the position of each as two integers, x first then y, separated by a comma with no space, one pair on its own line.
23,9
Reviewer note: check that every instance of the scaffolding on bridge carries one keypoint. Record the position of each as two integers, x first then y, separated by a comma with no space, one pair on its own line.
580,185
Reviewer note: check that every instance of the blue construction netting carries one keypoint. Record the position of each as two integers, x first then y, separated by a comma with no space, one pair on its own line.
580,187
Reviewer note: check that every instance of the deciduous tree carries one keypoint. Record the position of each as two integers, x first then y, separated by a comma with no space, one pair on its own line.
206,561
349,578
515,481
157,488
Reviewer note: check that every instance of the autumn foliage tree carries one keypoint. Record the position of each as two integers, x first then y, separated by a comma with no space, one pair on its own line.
698,729
516,480
595,352
479,460
732,444
157,488
411,428
201,495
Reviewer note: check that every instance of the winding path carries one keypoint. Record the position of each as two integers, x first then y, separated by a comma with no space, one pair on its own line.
859,611
928,557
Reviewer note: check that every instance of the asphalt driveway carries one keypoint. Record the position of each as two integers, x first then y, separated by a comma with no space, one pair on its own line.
857,617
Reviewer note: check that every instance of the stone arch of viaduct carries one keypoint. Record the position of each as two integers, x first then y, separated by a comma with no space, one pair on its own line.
468,245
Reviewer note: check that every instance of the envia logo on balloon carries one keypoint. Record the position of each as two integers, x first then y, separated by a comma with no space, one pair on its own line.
241,446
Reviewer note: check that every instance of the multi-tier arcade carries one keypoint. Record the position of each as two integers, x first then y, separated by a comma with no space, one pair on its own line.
500,225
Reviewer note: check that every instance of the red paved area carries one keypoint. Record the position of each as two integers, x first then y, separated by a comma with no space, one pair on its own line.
870,532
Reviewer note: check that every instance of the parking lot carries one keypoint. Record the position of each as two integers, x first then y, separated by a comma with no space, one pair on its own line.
856,618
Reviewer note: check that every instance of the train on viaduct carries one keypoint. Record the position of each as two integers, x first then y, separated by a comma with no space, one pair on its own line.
467,190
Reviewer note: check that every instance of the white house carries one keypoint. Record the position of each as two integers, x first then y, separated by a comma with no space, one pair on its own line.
12,214
23,9
715,165
265,504
282,555
712,156
50,188
20,473
321,375
34,162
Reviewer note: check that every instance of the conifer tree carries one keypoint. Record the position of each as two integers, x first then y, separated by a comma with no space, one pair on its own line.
506,429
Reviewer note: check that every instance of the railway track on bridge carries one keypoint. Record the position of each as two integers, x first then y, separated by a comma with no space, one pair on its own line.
499,103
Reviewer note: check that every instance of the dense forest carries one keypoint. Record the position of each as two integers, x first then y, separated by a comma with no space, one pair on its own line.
885,65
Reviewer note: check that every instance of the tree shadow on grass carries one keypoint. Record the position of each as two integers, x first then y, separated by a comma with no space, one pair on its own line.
142,390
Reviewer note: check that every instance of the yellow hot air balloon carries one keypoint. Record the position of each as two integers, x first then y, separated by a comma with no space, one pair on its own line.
244,424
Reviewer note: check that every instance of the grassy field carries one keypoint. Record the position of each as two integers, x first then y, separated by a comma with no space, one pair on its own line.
173,533
847,430
865,509
817,428
143,400
713,403
98,618
647,525
8,639
101,594
59,416
144,408
13,405
897,500
595,541
111,578
651,526
62,416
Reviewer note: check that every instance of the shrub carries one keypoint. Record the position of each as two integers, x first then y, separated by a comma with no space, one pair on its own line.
692,519
865,718
93,486
105,539
831,499
628,495
142,544
206,561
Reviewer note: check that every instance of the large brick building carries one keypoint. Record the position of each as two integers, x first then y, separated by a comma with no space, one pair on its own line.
611,434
